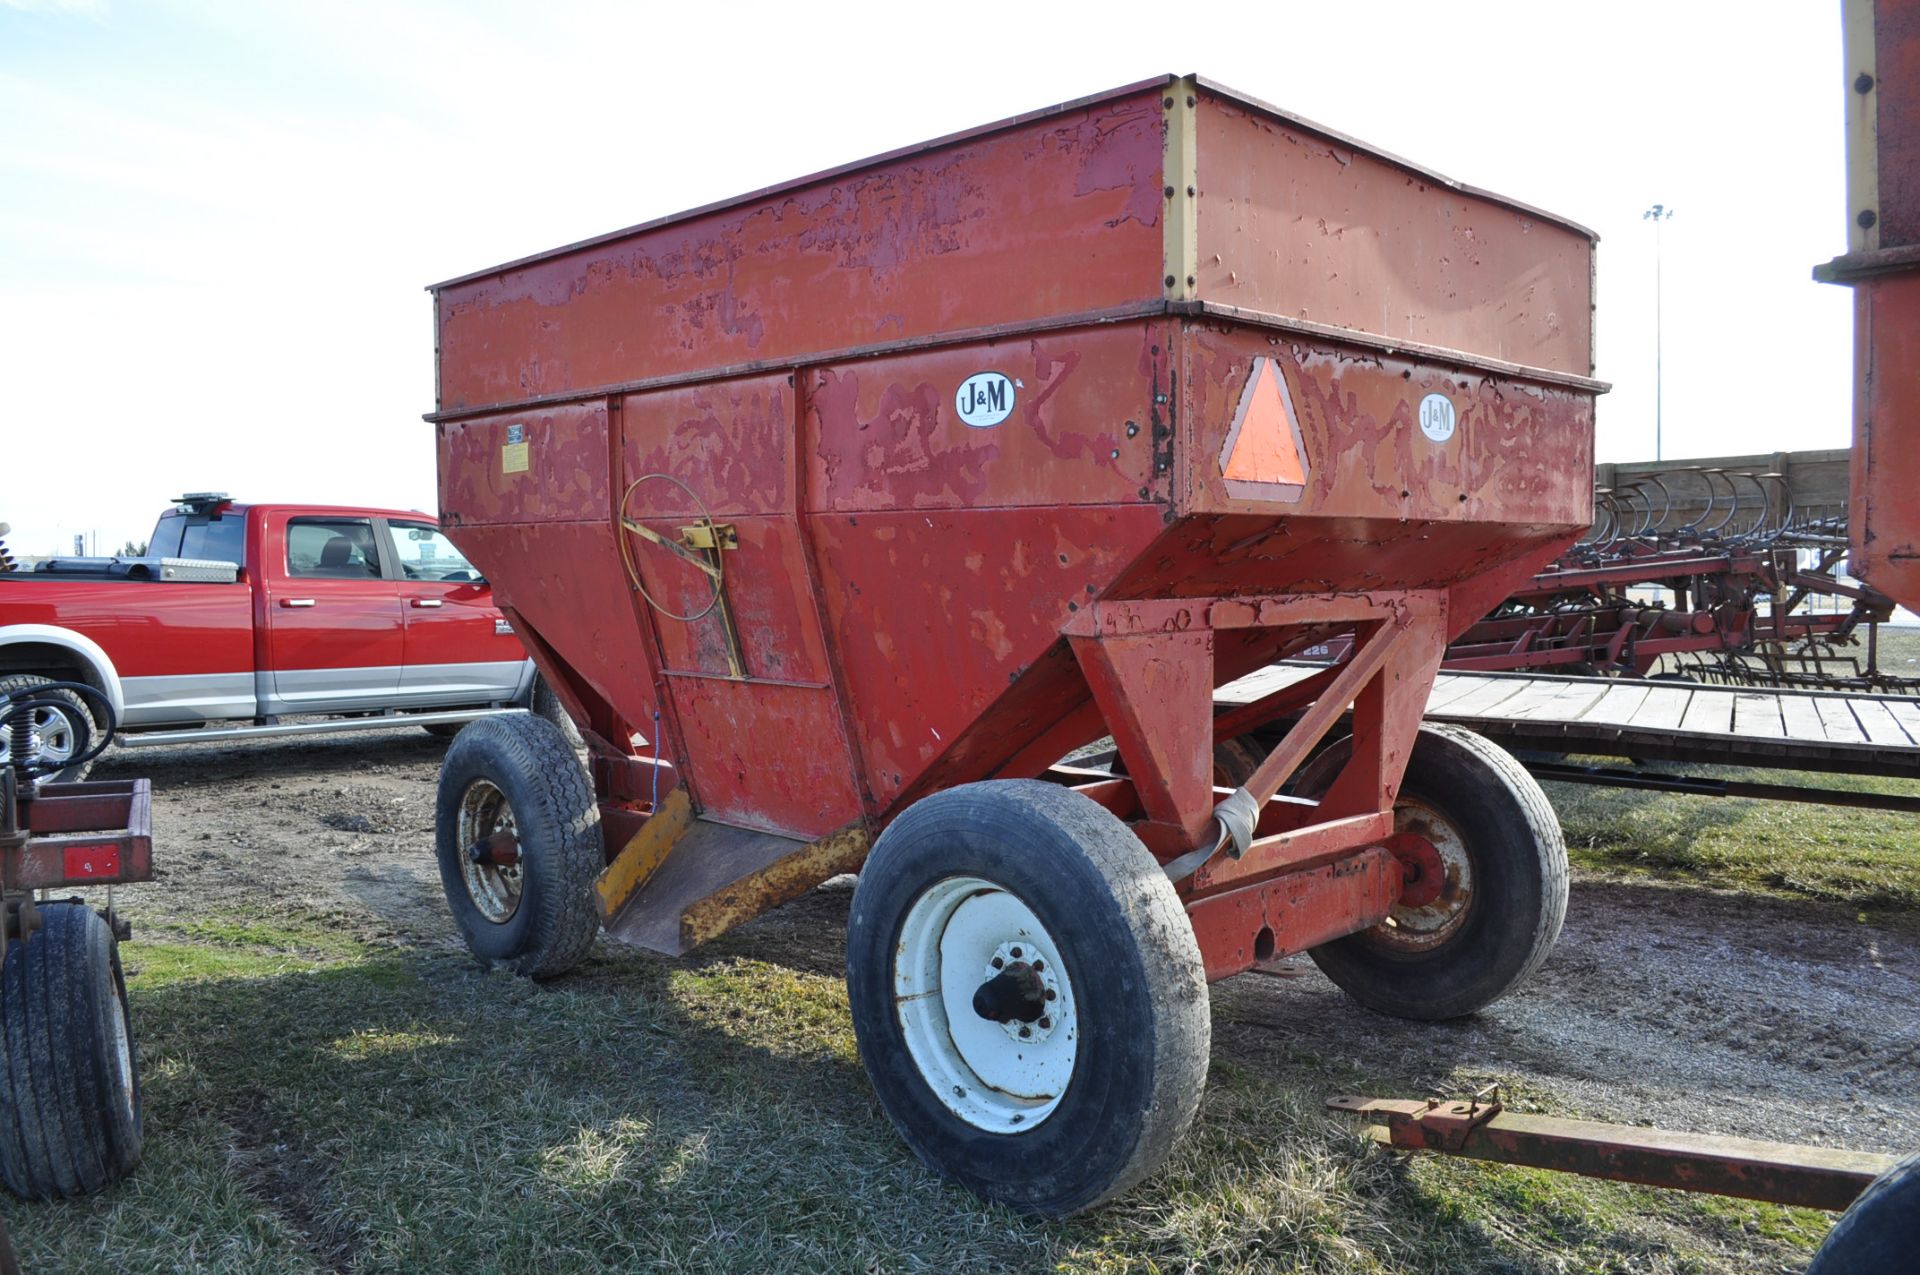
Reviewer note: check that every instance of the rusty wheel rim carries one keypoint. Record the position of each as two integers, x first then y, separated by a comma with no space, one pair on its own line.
494,889
1421,929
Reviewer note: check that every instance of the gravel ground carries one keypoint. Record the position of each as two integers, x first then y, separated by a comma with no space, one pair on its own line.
1680,1007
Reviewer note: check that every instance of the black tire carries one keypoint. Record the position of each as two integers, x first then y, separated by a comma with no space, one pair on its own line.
550,803
545,703
443,730
1880,1233
25,681
71,1120
1138,988
1474,943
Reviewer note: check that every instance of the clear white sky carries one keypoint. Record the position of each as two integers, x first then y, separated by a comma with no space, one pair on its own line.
216,218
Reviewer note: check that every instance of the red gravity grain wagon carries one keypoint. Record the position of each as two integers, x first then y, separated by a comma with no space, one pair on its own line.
838,514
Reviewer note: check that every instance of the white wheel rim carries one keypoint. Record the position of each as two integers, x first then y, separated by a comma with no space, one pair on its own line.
1004,1077
494,889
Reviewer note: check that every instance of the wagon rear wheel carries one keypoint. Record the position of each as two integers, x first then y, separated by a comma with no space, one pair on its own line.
1028,995
1490,848
517,834
70,1112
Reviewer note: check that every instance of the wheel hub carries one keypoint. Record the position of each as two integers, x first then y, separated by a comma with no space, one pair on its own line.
985,1006
1019,993
1439,891
491,869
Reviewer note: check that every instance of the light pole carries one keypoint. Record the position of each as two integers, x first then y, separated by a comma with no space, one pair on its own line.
1656,214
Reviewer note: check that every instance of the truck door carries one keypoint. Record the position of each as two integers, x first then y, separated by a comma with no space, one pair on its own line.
334,623
459,649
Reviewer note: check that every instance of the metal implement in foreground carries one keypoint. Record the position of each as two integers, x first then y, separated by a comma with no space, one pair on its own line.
70,1114
1880,1194
1882,266
1481,1128
838,514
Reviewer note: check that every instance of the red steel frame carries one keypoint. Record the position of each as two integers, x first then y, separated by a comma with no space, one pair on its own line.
913,603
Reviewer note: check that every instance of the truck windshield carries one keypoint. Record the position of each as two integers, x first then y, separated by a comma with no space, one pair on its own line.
209,537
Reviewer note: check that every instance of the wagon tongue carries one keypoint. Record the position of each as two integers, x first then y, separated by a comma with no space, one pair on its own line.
1014,993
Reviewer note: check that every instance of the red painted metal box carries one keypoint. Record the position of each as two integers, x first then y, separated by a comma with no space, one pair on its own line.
1124,271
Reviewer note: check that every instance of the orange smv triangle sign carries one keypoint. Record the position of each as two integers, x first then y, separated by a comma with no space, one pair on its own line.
1261,446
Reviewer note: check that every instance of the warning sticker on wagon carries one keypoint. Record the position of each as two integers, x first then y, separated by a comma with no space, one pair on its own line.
1264,457
513,452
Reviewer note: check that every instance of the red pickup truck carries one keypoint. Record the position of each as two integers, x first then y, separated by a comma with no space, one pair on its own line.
240,615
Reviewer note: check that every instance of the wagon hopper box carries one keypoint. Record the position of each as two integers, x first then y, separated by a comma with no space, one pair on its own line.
840,513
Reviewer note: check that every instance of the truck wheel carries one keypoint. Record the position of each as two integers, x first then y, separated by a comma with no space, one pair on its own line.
1501,867
1028,995
57,737
517,834
1880,1233
71,1121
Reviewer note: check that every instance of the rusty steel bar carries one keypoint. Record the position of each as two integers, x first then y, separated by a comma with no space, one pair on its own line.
1775,1172
1366,660
1293,850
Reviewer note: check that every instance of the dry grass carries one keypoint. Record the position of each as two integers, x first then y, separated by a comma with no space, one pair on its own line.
324,1103
325,1095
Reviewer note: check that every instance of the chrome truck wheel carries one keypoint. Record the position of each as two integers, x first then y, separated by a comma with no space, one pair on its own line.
517,834
54,729
1491,892
1028,996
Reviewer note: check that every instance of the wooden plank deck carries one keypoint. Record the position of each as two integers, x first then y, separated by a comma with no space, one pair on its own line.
1746,726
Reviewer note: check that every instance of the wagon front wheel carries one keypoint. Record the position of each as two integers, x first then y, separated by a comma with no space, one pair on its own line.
1028,995
517,834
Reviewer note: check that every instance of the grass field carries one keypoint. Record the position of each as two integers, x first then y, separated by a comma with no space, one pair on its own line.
1865,859
328,1093
319,1103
